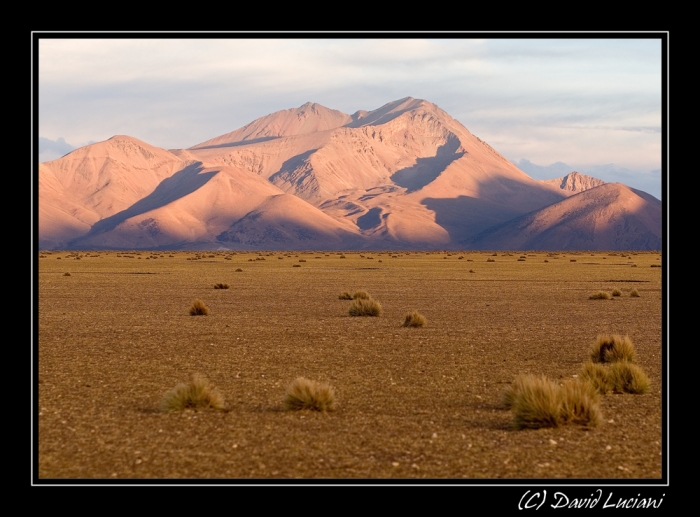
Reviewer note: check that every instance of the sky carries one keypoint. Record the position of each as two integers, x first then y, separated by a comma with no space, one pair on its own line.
592,104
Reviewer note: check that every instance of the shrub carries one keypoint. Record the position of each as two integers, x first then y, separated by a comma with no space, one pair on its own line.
345,296
600,295
361,295
365,307
580,403
536,403
627,377
296,265
198,308
307,394
239,270
634,293
196,394
612,348
539,402
414,319
221,286
597,375
66,274
616,292
490,260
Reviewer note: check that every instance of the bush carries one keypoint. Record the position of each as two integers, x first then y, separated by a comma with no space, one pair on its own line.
536,403
612,348
364,307
361,295
627,377
600,295
307,394
345,296
539,402
199,309
196,394
634,293
66,274
597,375
221,286
616,292
580,403
414,319
239,270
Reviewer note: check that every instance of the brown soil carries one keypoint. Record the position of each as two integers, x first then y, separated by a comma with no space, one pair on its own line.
116,335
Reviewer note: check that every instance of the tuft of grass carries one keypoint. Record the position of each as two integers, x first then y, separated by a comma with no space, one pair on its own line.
345,296
304,393
597,375
539,402
239,270
198,393
414,319
634,293
365,307
536,403
296,265
600,295
199,309
627,377
361,295
616,292
612,348
66,274
490,260
221,286
580,403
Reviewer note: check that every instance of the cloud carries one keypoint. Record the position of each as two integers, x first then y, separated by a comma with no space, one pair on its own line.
59,146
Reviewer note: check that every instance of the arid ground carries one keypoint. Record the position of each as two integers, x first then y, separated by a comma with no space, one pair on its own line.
116,335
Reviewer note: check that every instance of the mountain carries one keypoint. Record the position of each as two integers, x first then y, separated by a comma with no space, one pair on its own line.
406,175
575,182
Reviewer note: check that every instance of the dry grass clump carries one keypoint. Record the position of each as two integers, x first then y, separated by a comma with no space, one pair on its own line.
580,403
616,292
345,296
221,286
536,403
600,295
361,295
627,377
596,374
365,307
490,260
198,393
199,309
613,348
539,402
414,319
239,270
634,293
66,274
303,393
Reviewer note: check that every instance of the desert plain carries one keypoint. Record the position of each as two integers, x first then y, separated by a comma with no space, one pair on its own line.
115,335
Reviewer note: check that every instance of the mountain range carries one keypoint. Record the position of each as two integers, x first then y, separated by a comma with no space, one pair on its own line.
404,176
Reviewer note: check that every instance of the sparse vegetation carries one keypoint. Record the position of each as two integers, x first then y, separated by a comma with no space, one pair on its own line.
361,295
600,295
365,307
539,402
239,270
198,308
627,377
304,393
616,292
66,274
414,319
612,348
634,293
597,375
198,393
345,296
221,286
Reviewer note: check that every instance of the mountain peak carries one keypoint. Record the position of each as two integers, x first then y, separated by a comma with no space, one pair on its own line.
575,182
